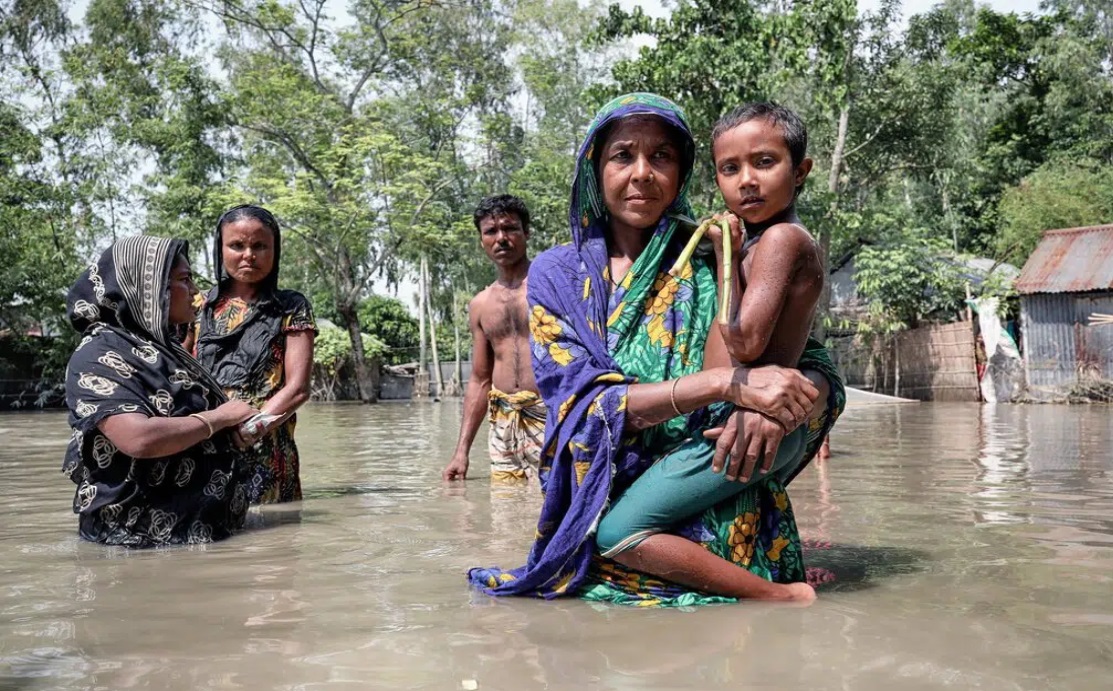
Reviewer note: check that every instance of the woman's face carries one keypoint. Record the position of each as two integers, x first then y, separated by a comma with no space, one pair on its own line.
247,248
182,292
640,172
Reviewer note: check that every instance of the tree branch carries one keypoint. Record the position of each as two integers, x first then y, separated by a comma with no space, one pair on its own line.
865,143
296,151
232,11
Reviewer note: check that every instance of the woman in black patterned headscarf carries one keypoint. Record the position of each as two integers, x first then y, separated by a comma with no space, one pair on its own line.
150,453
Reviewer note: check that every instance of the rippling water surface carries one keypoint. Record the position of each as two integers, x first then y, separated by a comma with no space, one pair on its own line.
973,548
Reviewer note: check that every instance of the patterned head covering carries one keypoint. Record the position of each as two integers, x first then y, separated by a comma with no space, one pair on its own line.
588,214
128,290
128,287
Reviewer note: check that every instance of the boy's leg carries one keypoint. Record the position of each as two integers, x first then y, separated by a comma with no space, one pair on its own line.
679,486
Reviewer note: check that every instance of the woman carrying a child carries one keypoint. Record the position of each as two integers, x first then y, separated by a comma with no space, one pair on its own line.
639,387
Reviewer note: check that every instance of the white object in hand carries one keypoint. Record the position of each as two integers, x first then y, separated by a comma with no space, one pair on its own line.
252,425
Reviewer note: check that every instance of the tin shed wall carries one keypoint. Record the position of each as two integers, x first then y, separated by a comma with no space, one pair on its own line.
1059,346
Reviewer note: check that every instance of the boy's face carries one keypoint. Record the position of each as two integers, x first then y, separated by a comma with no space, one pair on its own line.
754,171
503,238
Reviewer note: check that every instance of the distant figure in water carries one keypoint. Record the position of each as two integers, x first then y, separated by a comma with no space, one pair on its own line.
257,341
502,384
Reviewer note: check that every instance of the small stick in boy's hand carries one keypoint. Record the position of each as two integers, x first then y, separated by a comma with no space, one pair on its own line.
689,249
728,250
728,259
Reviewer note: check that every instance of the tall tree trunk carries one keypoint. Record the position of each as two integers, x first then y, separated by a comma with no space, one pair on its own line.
438,377
421,310
421,380
837,154
819,329
458,367
367,374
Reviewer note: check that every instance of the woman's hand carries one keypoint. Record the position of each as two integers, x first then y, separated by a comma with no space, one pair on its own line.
748,438
737,235
245,440
781,393
230,413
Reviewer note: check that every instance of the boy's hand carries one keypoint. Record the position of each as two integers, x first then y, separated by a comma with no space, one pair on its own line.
749,438
737,234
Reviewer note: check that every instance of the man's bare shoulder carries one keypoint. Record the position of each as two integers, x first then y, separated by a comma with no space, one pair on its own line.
479,304
482,298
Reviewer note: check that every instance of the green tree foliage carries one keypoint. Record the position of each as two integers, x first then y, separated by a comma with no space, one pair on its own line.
1065,193
37,249
332,353
907,282
389,321
372,128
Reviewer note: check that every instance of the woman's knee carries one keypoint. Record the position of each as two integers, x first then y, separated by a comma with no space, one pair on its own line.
616,534
611,532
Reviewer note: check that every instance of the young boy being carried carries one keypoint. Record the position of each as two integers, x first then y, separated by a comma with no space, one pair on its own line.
502,384
759,151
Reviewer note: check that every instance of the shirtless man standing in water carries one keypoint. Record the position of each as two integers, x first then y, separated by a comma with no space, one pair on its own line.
501,383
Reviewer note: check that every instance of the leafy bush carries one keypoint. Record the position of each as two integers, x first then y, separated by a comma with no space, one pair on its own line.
1060,194
907,282
332,352
390,323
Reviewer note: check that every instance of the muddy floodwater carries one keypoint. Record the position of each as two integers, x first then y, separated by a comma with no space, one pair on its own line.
972,545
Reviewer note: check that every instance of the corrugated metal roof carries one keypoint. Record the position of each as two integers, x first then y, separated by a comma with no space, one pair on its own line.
1072,260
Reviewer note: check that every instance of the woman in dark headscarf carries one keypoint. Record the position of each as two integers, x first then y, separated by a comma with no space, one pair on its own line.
257,341
631,497
149,452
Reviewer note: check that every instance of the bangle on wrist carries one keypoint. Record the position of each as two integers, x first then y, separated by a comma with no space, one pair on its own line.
208,425
672,397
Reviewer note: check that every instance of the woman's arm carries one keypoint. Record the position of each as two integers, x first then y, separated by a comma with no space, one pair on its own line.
298,371
779,392
651,404
140,436
298,368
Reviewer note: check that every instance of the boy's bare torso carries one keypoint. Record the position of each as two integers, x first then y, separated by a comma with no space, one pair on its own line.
805,283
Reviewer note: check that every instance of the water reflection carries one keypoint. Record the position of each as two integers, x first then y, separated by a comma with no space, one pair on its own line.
970,546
